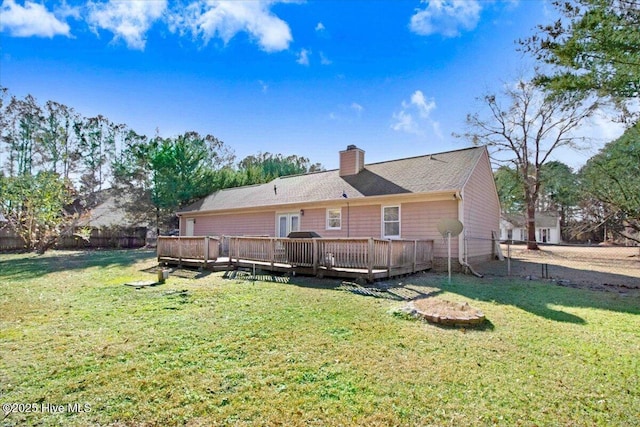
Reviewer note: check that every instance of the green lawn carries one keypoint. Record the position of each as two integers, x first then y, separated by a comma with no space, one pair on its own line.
205,350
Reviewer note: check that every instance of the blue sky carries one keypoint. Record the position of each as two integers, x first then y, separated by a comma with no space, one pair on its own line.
395,78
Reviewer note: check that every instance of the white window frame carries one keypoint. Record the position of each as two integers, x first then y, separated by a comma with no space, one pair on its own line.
289,222
328,218
383,222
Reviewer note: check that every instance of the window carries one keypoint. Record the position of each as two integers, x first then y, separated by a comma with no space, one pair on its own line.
287,223
391,221
334,219
544,235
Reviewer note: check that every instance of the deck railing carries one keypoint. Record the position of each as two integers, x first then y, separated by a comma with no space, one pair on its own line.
203,249
364,254
331,254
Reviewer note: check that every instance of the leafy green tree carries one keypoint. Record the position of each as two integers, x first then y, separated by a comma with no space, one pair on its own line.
59,150
560,192
34,206
173,171
21,133
593,48
181,170
611,179
510,189
96,140
265,167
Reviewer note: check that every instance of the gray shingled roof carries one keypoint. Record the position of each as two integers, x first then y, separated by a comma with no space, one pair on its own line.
118,207
423,174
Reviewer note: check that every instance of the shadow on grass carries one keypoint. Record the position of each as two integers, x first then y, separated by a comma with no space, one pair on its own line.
376,290
301,281
486,325
31,266
182,272
538,297
588,276
535,297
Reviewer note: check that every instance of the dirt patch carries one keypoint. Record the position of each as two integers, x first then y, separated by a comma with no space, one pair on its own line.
600,268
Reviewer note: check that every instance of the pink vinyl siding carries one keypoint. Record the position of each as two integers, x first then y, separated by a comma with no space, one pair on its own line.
364,221
420,221
482,210
357,221
314,219
237,224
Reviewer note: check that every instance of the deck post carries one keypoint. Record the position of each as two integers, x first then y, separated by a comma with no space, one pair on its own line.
370,259
206,251
179,251
273,251
415,253
314,256
230,250
388,258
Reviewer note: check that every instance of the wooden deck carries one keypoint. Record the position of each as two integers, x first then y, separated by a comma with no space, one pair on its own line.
347,258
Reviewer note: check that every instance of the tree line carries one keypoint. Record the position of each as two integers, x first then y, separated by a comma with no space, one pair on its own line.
588,57
56,164
55,161
599,202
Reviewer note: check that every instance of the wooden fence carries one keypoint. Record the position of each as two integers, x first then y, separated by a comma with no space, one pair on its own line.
99,238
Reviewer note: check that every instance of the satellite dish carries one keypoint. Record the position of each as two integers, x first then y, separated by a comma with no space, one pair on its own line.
449,227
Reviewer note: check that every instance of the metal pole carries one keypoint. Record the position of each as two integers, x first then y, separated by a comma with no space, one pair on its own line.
449,254
508,257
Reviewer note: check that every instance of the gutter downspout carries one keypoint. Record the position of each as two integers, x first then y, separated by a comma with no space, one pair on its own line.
462,241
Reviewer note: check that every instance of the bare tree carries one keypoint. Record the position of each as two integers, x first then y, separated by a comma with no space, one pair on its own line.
525,133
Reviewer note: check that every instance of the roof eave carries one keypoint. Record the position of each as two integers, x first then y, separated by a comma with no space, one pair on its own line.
449,194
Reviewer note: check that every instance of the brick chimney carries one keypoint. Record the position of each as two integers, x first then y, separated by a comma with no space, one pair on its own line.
351,161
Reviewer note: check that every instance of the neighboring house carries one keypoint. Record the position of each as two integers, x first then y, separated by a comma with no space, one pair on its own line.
403,198
514,227
119,219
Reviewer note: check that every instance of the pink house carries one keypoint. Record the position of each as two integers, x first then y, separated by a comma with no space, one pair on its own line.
396,199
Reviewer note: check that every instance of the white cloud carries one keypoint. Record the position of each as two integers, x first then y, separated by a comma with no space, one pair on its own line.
347,113
65,10
224,19
404,123
127,20
324,60
415,116
446,17
320,27
32,19
303,57
424,107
